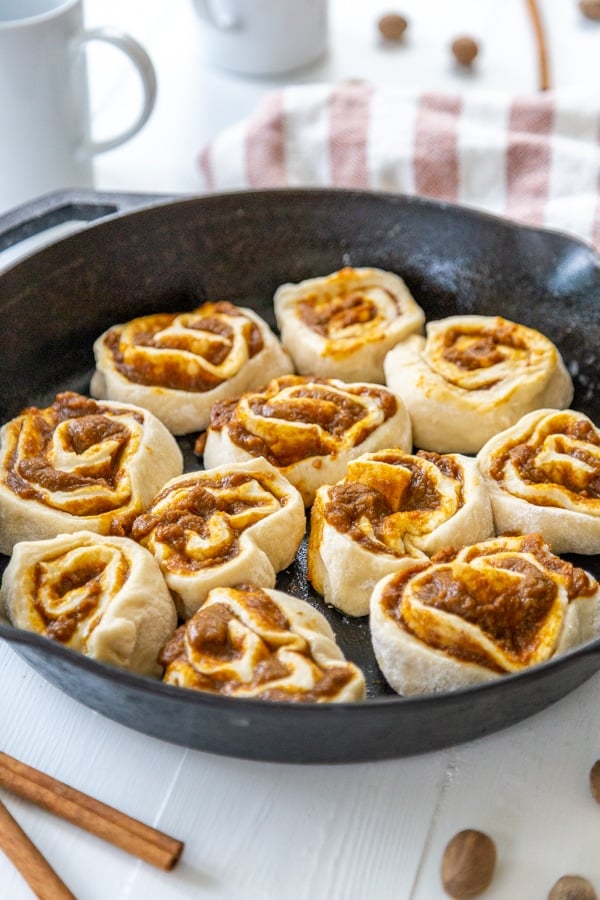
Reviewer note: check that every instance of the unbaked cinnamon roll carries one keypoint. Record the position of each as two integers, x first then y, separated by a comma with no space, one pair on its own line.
342,325
254,642
102,596
80,464
391,506
475,614
222,527
309,428
473,376
543,474
178,364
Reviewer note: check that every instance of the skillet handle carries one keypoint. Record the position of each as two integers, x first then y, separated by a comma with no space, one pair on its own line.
66,211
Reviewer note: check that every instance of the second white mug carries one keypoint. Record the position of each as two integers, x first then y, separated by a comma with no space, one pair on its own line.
263,37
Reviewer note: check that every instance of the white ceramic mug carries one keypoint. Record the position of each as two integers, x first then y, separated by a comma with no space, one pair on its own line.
263,37
45,140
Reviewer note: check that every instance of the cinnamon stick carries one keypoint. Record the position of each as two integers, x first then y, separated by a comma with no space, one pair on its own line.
98,818
541,45
27,859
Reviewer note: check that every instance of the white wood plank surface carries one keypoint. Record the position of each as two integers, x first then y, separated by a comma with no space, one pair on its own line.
371,831
251,829
528,788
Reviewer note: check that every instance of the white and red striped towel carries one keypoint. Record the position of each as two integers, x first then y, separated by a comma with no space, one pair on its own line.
535,159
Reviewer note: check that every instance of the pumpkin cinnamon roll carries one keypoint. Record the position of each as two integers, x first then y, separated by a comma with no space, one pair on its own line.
473,376
254,642
308,428
543,474
341,325
80,464
102,596
178,364
475,614
222,527
389,508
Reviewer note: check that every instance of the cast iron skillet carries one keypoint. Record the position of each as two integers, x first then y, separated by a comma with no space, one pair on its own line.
172,254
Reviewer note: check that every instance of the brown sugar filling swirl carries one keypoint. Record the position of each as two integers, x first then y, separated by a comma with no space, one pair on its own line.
297,417
195,351
477,357
197,525
388,501
556,461
71,591
338,315
73,456
500,604
240,643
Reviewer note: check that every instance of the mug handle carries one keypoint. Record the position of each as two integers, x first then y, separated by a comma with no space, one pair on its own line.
220,18
143,64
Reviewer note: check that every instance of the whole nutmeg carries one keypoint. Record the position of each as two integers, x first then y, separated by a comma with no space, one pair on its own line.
590,9
468,864
465,50
572,887
392,26
595,781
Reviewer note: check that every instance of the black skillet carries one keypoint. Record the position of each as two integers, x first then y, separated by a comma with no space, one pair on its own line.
162,253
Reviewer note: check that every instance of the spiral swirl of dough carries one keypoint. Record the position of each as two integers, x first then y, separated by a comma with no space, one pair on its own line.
191,351
473,376
391,505
220,527
543,474
102,596
250,642
308,428
177,364
80,464
342,324
473,614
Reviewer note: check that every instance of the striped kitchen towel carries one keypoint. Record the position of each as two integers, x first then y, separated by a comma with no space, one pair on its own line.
534,158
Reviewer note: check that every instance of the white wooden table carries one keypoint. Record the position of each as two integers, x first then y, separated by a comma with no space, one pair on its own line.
374,831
